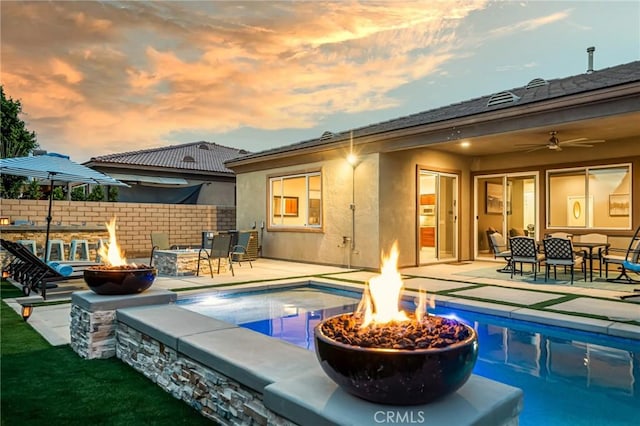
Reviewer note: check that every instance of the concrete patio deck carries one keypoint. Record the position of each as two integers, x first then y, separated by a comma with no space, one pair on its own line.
587,309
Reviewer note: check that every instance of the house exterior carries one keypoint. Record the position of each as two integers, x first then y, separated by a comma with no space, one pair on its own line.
191,173
548,156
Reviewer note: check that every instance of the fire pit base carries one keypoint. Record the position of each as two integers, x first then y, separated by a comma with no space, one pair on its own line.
119,281
397,376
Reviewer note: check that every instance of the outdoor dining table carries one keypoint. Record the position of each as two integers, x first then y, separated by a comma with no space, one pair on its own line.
590,246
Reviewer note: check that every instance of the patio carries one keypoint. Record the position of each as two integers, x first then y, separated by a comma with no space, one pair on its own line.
585,307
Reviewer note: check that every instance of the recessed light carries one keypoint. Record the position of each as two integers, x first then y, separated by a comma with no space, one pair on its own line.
465,144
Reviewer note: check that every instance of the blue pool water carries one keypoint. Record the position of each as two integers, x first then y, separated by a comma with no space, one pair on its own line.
568,377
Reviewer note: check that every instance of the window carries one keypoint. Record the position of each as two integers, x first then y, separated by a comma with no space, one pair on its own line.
296,201
594,197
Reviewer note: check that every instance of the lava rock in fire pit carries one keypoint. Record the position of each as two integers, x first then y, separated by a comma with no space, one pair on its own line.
401,363
125,279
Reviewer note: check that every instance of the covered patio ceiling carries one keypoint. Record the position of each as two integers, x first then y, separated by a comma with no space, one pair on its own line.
607,128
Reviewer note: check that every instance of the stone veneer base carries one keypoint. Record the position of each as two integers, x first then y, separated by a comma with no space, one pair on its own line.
236,376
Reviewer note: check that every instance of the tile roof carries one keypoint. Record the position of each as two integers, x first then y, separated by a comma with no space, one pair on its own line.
196,156
536,92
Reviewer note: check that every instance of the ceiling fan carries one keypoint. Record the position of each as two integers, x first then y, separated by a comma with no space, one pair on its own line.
555,144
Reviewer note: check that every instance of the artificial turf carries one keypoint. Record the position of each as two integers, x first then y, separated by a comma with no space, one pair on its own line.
49,385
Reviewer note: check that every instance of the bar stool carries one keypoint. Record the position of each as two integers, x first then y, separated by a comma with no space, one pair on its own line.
58,246
30,244
83,246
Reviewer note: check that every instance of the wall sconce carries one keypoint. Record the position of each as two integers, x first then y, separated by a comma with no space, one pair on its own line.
4,220
27,310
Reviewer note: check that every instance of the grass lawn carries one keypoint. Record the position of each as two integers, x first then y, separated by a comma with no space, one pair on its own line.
51,385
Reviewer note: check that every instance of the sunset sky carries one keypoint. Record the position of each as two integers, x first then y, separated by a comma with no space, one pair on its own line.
96,78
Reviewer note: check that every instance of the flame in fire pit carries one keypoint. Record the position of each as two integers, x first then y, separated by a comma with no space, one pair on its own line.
381,297
111,253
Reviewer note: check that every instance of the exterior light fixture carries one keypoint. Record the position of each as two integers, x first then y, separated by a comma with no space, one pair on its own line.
465,144
4,220
352,159
27,310
5,274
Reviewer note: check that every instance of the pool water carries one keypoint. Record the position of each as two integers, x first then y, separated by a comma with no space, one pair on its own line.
568,377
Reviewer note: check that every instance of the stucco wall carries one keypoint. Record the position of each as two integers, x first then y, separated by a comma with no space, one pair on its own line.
398,194
216,193
135,221
324,246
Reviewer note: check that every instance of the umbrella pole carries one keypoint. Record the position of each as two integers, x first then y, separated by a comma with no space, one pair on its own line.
46,239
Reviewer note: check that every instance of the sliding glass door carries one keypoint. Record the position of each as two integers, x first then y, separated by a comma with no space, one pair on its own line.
506,203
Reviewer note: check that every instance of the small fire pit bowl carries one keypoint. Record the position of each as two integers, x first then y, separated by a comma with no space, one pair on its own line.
398,376
111,280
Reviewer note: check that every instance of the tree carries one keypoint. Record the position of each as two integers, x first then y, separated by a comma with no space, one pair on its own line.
58,193
33,192
78,194
17,141
97,194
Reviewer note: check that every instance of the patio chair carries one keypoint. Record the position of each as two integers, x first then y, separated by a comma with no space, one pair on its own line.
559,252
498,246
239,251
632,260
220,249
594,238
525,250
159,241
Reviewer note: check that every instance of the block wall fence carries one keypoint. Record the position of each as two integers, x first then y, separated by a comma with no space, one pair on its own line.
135,221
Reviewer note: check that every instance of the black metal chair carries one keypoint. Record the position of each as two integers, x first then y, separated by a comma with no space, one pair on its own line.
220,249
559,252
525,250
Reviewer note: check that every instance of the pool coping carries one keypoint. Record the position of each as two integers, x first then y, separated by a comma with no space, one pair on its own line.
290,378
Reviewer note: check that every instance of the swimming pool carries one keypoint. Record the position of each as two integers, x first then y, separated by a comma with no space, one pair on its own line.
568,377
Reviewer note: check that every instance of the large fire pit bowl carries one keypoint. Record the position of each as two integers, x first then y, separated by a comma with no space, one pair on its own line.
397,376
119,280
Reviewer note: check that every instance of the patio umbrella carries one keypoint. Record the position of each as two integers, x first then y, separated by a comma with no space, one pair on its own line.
55,167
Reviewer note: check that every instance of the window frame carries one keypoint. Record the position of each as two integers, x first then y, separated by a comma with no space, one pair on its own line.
586,171
303,203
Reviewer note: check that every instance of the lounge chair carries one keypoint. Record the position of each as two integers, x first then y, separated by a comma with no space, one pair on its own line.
220,249
631,261
30,271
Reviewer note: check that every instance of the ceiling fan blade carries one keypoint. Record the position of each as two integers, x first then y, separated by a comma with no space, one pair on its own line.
577,142
537,148
528,145
573,140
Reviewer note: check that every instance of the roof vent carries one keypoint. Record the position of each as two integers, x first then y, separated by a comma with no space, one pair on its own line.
203,146
536,82
326,136
243,151
189,159
502,98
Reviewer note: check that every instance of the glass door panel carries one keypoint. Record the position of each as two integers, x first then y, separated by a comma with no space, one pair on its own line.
437,217
506,203
447,217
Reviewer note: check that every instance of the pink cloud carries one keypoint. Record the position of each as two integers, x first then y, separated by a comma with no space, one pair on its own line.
104,77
